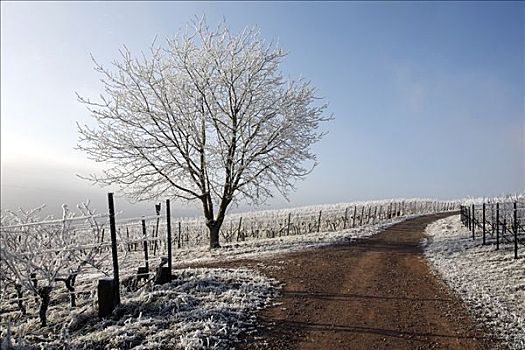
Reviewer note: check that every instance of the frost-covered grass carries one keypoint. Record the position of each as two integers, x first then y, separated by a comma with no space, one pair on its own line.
491,282
201,308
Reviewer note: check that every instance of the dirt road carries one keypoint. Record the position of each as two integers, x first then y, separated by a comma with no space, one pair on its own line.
376,293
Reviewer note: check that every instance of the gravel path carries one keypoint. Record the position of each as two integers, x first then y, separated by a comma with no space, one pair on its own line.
375,293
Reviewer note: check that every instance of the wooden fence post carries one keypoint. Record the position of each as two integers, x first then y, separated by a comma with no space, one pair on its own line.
472,217
319,222
362,214
114,253
483,223
353,218
178,238
497,226
106,296
239,235
515,224
168,227
288,224
144,233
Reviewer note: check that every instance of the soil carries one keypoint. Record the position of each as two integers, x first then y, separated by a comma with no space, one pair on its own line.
374,293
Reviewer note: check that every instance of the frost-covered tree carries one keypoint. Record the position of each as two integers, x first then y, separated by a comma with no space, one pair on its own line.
208,117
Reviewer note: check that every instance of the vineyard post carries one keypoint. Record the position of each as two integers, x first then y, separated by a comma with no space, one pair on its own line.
353,218
483,223
504,224
368,215
178,238
157,211
319,221
379,213
127,239
515,224
346,218
168,227
145,244
114,253
497,226
472,217
239,235
362,214
288,224
375,213
492,218
468,217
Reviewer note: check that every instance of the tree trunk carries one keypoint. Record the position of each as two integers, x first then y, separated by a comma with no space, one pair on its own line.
70,285
214,228
44,293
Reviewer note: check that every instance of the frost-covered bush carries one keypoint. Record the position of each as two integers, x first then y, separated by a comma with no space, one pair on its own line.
38,252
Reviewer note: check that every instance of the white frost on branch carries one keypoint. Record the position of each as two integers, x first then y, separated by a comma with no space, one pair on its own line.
208,117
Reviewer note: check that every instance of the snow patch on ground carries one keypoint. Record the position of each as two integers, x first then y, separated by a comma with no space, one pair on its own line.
491,282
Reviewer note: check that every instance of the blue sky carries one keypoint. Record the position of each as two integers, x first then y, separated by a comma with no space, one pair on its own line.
428,98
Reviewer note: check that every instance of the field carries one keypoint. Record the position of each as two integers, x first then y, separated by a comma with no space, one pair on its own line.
54,269
47,253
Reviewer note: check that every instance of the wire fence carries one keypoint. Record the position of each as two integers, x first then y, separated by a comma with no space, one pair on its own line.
499,223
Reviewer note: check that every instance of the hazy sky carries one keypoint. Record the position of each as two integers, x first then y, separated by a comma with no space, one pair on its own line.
428,98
